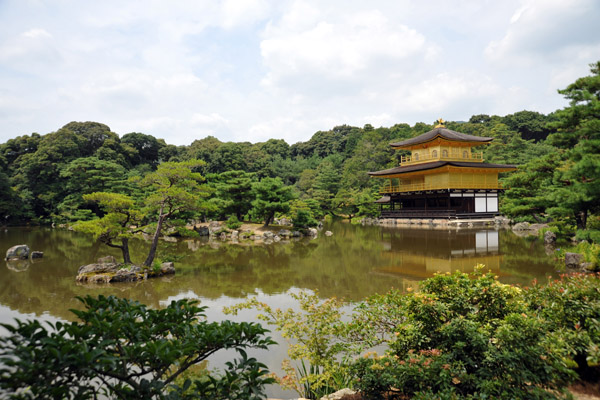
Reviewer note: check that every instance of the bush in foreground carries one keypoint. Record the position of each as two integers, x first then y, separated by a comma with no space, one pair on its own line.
461,336
122,349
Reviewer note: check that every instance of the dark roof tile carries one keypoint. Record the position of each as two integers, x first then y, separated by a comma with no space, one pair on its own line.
443,133
438,164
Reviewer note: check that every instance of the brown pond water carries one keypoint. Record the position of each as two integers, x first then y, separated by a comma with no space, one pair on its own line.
355,262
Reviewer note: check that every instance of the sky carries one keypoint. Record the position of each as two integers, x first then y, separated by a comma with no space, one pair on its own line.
251,70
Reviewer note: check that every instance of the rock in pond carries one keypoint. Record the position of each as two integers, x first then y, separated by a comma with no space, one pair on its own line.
37,254
328,233
18,252
573,260
549,237
106,270
284,233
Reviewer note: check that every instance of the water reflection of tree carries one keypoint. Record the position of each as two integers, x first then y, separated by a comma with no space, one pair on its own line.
346,265
524,258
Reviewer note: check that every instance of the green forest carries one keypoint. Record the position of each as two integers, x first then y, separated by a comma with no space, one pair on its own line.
49,178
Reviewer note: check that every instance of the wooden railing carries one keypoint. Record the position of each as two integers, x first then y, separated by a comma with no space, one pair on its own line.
471,157
454,184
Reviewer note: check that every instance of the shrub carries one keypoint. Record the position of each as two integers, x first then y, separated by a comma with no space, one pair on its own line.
315,336
592,235
122,349
461,335
303,220
233,222
571,305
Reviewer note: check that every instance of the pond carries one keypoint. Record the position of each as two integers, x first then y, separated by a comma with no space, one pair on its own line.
355,262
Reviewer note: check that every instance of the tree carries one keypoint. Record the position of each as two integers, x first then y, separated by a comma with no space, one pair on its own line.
122,349
9,204
174,189
567,182
147,148
234,189
113,229
581,120
531,125
87,175
271,196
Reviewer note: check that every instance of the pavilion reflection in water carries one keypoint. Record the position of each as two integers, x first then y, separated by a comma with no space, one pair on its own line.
417,254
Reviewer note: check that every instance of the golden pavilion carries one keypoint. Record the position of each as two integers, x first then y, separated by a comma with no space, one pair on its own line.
443,177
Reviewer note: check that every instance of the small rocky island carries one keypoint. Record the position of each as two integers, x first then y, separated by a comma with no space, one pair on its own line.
108,270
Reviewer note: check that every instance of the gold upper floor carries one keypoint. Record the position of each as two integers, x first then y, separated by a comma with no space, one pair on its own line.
418,157
442,150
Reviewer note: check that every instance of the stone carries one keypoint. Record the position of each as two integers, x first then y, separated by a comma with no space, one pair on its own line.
573,260
124,275
340,394
107,260
18,252
296,234
235,234
549,237
588,266
328,233
285,233
202,230
267,234
99,268
172,232
501,220
276,238
167,268
282,222
214,227
521,226
313,232
223,236
37,254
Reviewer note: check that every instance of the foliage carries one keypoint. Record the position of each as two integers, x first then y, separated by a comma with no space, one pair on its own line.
271,196
571,305
233,222
593,235
174,189
303,219
114,228
234,191
123,349
460,336
313,333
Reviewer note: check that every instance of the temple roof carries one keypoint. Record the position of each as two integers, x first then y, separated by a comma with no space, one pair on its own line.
443,133
438,164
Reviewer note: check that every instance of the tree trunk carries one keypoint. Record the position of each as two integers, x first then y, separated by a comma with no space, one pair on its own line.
581,219
125,250
269,219
154,245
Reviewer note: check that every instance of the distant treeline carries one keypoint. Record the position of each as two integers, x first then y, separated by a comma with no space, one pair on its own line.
43,177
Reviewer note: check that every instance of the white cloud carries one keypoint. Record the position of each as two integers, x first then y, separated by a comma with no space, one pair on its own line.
250,70
243,12
548,30
444,91
303,54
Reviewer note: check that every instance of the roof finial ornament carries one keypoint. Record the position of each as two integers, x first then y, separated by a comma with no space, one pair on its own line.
440,123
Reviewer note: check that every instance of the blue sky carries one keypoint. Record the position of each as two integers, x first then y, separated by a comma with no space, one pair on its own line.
250,70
